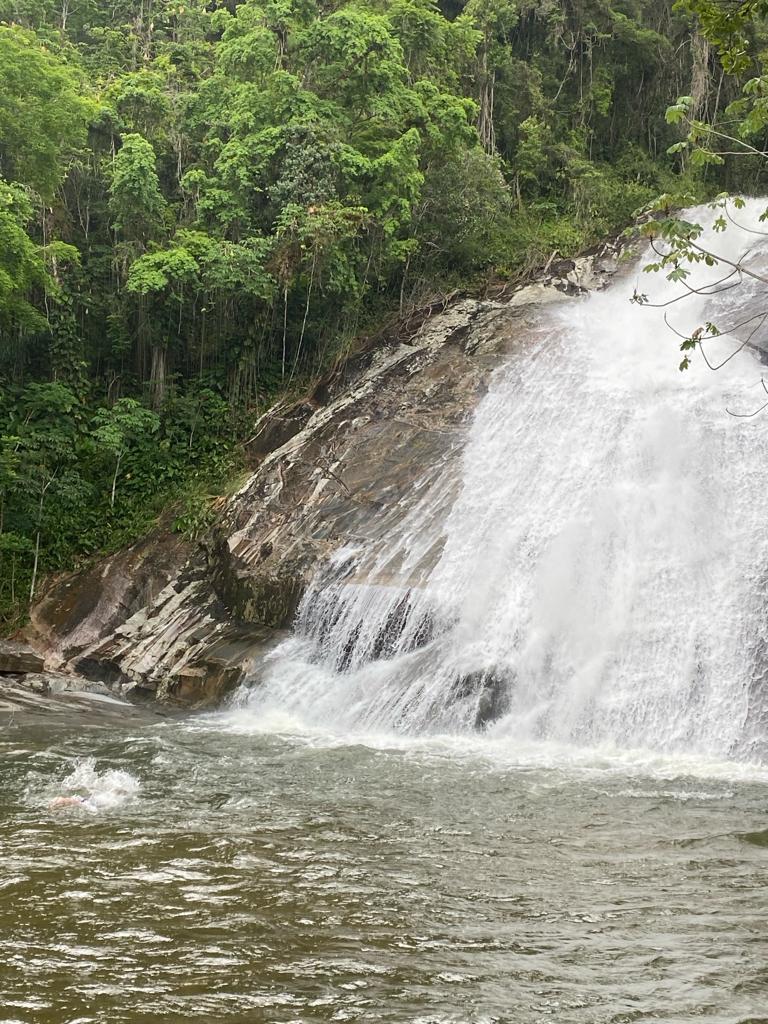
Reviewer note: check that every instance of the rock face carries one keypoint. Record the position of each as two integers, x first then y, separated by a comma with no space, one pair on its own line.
164,620
36,700
82,608
19,658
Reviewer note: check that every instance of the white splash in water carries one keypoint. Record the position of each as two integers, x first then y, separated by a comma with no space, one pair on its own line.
600,577
99,791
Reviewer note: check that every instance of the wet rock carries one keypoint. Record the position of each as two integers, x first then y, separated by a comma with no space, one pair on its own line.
101,670
220,667
15,657
256,594
390,640
278,426
22,706
37,682
175,622
82,608
56,682
489,689
493,701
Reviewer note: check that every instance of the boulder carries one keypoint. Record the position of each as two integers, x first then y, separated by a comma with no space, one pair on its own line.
57,682
18,658
28,701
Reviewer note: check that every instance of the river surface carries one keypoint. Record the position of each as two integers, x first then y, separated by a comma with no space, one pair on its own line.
222,873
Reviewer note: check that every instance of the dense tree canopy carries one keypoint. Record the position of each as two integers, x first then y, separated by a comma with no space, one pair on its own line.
202,204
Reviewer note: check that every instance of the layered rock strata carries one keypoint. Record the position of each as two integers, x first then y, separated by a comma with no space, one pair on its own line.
180,623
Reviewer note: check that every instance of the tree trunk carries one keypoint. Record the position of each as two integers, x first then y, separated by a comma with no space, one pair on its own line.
700,77
285,328
114,480
34,567
36,564
485,126
157,377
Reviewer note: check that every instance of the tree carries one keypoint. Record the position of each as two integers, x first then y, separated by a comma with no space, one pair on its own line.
135,200
43,114
43,459
138,208
116,429
22,266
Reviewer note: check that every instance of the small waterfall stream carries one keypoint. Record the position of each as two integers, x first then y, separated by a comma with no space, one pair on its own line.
599,577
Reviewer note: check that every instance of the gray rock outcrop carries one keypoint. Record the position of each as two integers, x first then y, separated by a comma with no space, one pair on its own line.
16,657
181,624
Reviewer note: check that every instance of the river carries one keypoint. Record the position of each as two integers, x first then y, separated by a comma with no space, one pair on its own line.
292,876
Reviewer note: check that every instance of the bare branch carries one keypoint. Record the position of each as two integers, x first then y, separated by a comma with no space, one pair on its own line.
710,289
730,263
742,227
735,141
746,415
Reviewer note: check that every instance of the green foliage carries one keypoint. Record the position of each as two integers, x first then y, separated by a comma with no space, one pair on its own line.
730,27
135,200
22,268
43,116
117,428
734,138
75,480
201,207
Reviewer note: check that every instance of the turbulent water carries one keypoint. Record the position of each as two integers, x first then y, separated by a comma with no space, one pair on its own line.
268,879
602,571
509,769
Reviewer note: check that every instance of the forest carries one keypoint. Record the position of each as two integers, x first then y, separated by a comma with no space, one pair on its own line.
204,205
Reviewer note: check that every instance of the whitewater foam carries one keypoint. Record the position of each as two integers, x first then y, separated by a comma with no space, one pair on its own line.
603,566
101,791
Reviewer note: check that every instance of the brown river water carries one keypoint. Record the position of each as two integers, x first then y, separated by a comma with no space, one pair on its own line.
218,874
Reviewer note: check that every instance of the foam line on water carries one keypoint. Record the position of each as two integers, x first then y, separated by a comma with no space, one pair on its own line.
492,752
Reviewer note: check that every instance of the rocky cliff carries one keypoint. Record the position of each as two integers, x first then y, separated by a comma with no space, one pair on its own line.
184,623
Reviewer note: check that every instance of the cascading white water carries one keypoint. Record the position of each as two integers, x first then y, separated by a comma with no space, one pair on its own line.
600,577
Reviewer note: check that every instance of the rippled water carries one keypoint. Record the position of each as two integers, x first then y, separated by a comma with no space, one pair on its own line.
273,877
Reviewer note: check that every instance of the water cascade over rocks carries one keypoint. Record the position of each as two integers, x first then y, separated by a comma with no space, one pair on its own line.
592,570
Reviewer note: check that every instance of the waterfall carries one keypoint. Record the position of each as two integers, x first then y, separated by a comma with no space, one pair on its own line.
591,569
